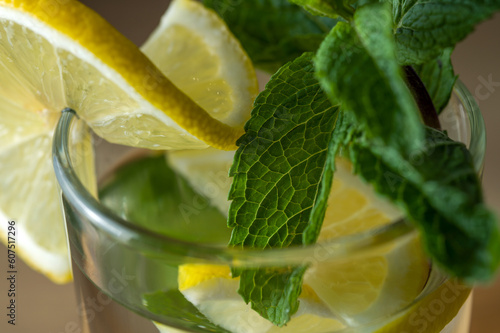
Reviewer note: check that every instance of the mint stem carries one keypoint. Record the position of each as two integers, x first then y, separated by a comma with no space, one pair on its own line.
422,97
346,12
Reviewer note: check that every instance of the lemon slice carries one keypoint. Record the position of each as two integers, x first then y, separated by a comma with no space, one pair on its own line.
212,290
29,194
220,76
215,293
68,56
57,55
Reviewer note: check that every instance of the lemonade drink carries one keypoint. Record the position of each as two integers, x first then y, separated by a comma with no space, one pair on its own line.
185,285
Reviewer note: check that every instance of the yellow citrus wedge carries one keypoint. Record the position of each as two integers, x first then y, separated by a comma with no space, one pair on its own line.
57,54
29,195
215,293
194,48
68,56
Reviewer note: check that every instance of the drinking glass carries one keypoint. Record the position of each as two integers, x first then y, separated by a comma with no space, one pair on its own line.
119,267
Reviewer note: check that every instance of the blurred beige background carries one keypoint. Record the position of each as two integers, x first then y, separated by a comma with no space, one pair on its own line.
47,308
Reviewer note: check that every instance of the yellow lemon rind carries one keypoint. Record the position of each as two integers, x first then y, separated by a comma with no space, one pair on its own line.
83,26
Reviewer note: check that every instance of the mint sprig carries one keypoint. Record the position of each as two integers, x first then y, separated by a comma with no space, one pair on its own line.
355,96
357,66
272,32
424,28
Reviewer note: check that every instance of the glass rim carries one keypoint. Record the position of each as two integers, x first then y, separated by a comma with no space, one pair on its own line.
159,245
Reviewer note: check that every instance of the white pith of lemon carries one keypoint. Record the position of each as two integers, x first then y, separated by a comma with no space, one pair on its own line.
52,57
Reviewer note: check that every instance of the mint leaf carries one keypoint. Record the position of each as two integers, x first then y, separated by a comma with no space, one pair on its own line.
439,78
173,304
342,134
424,28
273,32
362,72
277,289
147,190
280,159
329,8
441,193
277,173
273,292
